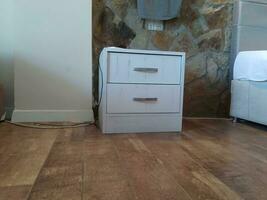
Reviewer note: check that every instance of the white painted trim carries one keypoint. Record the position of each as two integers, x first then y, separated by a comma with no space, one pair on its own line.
140,51
207,118
53,116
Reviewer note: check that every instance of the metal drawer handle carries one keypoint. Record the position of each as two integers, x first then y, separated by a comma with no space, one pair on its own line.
145,99
146,70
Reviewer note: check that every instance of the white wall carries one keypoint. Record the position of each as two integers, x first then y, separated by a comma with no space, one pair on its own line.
6,52
53,64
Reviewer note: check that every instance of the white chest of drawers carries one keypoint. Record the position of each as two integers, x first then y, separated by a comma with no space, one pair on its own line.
141,91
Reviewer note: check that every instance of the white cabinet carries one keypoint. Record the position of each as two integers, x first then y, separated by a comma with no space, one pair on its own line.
142,91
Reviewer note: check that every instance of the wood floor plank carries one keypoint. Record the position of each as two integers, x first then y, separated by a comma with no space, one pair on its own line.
193,177
14,192
236,149
249,138
233,166
22,154
104,176
62,174
211,159
146,173
233,132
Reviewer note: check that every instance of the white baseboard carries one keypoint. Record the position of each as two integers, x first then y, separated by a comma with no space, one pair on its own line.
53,116
209,118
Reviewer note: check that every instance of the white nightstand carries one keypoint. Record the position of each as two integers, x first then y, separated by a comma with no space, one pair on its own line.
142,91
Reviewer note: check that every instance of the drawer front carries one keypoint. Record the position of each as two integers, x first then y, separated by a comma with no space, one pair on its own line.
130,98
144,68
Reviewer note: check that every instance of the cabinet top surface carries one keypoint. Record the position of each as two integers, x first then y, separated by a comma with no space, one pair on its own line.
139,51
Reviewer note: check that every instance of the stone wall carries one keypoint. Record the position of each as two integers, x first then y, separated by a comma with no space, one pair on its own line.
202,30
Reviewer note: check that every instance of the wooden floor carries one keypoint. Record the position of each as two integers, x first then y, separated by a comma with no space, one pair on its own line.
211,159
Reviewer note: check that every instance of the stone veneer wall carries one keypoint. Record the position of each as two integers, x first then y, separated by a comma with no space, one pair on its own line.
203,31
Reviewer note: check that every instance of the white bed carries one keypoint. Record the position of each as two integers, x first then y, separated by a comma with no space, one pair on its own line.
249,87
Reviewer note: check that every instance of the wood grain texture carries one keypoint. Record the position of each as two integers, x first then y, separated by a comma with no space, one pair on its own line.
15,192
22,153
61,175
211,159
104,175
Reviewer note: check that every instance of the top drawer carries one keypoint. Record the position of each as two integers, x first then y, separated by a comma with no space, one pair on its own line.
144,68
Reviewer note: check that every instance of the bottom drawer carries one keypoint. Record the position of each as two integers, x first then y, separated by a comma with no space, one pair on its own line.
142,123
131,98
